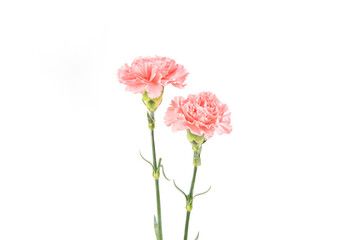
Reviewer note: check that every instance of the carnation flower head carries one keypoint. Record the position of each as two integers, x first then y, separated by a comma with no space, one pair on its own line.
151,74
201,114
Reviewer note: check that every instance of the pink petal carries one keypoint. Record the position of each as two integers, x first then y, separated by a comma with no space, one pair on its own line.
154,90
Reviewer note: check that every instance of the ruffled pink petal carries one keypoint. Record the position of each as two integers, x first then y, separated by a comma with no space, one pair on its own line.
152,71
194,129
172,114
136,88
224,125
154,90
201,114
177,77
178,126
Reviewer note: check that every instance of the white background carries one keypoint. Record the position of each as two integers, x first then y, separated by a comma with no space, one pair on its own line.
70,133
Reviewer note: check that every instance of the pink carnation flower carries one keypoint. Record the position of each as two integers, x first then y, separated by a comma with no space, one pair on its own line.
151,74
201,114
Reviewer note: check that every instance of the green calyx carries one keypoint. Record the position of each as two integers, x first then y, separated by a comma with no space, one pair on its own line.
151,120
196,142
197,157
194,139
152,104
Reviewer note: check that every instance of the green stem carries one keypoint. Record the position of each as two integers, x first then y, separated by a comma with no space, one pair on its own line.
193,182
158,204
190,196
187,224
157,187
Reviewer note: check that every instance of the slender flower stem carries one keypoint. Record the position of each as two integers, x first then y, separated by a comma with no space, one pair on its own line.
158,204
193,181
187,224
190,196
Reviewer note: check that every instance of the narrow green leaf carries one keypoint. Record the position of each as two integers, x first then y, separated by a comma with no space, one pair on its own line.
157,230
180,189
159,164
146,160
197,237
202,193
163,171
